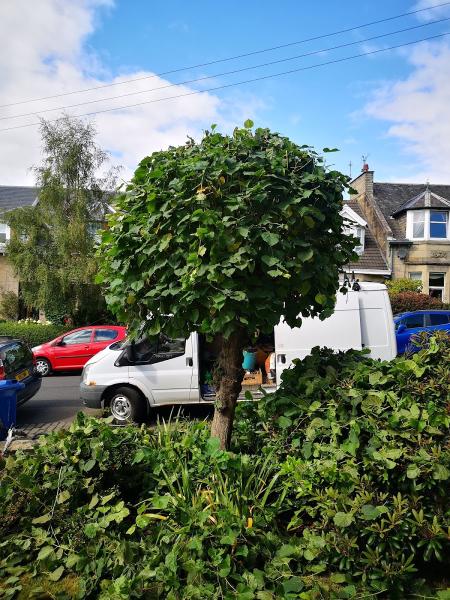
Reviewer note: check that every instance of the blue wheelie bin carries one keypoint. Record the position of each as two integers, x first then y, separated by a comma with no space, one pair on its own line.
8,404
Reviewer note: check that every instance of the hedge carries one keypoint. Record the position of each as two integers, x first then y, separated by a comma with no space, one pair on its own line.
32,334
405,301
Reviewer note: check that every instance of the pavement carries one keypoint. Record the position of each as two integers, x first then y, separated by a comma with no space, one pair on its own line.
53,407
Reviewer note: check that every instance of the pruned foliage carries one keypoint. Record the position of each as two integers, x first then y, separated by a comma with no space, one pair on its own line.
341,492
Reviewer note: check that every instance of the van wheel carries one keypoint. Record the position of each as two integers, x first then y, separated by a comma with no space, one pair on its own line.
127,406
43,367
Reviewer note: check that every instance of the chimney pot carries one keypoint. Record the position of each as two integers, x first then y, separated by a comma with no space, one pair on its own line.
365,168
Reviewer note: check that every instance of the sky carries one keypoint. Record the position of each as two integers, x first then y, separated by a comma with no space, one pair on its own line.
392,106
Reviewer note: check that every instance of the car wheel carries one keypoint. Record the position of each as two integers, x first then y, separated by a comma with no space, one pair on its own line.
127,406
43,367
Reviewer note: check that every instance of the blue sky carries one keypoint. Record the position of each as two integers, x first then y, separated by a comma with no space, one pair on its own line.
391,106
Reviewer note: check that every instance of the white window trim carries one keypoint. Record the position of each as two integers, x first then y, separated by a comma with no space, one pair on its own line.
426,225
441,288
8,237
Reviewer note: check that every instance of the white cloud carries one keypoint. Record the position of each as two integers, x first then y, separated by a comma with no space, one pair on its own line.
431,15
417,108
47,54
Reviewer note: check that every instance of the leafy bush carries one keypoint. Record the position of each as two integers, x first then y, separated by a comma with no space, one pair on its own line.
395,286
9,305
32,333
405,301
343,493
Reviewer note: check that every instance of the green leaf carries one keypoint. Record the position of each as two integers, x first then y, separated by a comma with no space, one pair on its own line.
413,471
338,578
342,519
89,464
292,585
269,260
440,472
284,422
320,298
45,552
90,530
369,512
39,520
287,550
248,124
270,238
56,574
63,496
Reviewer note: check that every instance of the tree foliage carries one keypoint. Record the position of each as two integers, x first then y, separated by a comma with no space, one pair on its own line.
224,236
52,246
396,286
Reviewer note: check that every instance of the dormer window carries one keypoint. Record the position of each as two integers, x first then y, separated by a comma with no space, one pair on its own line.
427,224
355,226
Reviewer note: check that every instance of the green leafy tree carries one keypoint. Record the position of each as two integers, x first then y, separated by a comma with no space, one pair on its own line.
223,237
52,246
397,286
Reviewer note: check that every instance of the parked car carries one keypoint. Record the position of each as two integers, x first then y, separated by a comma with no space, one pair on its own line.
17,362
129,379
73,349
411,323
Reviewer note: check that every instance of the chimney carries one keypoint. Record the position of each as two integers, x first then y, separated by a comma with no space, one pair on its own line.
363,184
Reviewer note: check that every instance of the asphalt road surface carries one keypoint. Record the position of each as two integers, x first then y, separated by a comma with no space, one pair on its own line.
58,400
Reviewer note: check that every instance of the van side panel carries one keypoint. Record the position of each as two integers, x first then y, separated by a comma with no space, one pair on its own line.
341,331
377,324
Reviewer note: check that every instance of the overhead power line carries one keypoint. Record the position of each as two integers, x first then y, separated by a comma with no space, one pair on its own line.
233,72
228,85
230,58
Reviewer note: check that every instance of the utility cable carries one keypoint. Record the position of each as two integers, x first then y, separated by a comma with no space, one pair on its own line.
228,85
233,72
236,57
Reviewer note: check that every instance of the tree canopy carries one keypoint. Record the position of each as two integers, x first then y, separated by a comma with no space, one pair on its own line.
223,237
52,246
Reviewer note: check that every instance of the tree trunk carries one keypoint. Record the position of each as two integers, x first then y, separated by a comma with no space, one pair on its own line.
228,381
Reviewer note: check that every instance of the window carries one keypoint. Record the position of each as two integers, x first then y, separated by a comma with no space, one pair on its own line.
4,233
415,275
418,224
78,337
15,357
358,232
427,225
413,321
153,351
438,224
105,335
436,284
438,319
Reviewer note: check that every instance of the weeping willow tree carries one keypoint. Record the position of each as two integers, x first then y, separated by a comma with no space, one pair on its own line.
52,243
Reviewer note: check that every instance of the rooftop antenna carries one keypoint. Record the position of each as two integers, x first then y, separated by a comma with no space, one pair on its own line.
365,166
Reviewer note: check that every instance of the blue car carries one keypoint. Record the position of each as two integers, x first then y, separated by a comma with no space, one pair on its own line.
408,324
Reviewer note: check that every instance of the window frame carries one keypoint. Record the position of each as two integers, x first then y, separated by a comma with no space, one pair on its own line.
438,288
445,212
427,221
111,340
64,343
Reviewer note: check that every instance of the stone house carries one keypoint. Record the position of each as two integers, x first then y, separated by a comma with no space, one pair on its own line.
410,226
11,197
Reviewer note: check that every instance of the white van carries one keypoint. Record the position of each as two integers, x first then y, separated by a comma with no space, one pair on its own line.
178,371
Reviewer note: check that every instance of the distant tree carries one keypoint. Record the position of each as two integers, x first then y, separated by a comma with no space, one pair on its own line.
52,243
396,286
223,237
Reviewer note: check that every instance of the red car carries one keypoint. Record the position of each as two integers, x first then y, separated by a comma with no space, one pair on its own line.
73,349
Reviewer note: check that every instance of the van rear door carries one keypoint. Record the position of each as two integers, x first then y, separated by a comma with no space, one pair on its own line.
341,331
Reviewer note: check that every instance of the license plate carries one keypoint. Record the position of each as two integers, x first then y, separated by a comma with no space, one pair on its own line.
22,375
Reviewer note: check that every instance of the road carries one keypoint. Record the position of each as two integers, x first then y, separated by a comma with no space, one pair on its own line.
58,401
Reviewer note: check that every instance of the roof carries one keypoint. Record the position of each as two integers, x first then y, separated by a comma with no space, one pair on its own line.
390,197
372,258
426,199
12,196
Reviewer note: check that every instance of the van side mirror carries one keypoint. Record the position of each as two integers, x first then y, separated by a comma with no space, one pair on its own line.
401,328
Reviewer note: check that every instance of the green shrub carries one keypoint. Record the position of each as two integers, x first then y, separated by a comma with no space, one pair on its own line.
31,333
342,493
395,286
405,301
9,305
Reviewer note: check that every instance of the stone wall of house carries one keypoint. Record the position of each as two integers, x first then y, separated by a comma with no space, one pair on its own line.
8,281
376,222
424,257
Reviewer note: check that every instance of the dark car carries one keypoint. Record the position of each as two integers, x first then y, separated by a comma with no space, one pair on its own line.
17,362
408,324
